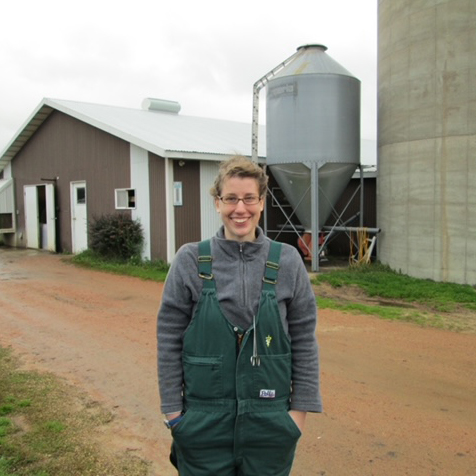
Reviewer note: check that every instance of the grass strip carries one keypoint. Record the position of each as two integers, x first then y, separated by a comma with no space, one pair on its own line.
377,280
424,319
48,428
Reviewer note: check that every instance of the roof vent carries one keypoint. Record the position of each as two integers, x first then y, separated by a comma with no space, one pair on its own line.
160,105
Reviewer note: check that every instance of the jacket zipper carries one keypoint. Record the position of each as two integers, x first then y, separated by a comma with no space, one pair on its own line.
243,281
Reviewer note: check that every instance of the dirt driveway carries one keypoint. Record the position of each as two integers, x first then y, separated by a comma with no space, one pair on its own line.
399,399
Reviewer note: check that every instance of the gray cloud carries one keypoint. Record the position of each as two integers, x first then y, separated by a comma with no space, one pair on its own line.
206,55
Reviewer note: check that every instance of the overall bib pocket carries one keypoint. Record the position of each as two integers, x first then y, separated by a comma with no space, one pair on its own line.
203,376
272,378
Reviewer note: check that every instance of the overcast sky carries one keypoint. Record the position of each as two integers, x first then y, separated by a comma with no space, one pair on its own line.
206,55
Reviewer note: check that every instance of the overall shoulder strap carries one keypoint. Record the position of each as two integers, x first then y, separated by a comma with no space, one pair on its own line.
205,264
270,277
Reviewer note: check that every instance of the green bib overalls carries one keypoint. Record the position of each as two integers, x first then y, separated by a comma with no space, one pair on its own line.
237,385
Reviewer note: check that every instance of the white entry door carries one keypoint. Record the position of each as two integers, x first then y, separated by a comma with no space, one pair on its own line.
79,222
32,219
40,217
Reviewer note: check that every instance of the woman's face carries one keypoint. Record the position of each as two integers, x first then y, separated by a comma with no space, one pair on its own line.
240,220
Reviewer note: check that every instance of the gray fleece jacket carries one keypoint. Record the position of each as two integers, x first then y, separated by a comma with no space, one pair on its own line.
238,269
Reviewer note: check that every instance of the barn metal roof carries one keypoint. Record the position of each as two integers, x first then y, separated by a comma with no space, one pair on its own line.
163,133
166,134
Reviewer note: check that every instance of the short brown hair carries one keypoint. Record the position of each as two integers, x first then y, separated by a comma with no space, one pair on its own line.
242,167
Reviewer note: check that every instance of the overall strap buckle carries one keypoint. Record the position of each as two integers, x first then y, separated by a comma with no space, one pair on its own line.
272,265
205,263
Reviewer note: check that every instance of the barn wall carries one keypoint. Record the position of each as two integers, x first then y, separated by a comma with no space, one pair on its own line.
63,150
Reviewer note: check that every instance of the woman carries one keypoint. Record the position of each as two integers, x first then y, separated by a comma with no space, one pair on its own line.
237,352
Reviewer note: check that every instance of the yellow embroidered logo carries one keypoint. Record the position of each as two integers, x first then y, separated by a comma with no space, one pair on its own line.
268,340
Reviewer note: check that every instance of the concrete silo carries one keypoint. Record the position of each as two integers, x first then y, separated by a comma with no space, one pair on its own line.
426,187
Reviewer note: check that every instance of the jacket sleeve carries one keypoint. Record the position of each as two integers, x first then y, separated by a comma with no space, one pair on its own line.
302,324
178,298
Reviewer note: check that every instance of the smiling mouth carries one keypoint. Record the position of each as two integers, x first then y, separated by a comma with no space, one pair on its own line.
239,220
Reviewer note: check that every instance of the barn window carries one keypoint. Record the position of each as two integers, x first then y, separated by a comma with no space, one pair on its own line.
80,195
178,200
125,198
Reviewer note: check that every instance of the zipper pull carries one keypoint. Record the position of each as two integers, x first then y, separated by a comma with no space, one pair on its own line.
240,339
255,360
239,336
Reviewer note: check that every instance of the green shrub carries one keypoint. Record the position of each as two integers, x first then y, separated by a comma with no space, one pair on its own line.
116,236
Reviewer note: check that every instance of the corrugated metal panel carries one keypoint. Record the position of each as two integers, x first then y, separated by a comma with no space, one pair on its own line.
7,206
187,216
65,150
211,220
158,222
6,196
25,132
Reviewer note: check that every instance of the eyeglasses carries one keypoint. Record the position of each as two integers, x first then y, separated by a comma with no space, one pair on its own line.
248,200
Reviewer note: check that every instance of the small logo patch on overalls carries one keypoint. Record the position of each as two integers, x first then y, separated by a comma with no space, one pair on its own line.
265,393
268,341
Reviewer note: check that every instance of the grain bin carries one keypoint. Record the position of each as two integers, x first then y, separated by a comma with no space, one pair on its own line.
312,122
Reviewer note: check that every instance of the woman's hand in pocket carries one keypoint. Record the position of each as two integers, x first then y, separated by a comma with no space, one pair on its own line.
299,418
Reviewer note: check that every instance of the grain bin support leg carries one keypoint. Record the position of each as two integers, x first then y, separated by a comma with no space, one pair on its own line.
315,215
